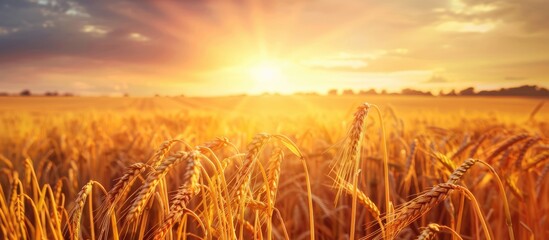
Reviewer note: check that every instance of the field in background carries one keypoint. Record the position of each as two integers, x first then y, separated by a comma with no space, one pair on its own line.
408,107
277,104
63,143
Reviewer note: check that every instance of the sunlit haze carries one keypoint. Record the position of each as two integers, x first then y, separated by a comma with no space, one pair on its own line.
205,48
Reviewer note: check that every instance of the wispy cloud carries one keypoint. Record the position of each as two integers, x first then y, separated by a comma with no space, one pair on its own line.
138,37
95,30
466,27
4,31
345,61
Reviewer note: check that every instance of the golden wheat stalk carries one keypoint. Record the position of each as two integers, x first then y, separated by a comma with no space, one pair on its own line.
257,205
541,179
270,188
184,194
20,208
148,188
122,186
429,232
348,162
241,188
273,174
433,229
76,212
362,198
17,206
445,161
349,158
506,144
504,160
58,190
511,181
14,189
410,160
117,193
475,148
461,170
527,145
59,199
215,144
245,172
537,160
162,150
466,144
419,206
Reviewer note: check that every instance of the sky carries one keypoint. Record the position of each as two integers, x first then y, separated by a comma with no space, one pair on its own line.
205,48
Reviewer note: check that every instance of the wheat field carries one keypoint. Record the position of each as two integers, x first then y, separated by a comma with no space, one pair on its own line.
274,167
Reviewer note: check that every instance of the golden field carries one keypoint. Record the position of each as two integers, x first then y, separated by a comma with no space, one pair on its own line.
274,167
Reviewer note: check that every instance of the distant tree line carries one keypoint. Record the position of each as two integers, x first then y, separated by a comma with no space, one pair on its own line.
522,91
26,93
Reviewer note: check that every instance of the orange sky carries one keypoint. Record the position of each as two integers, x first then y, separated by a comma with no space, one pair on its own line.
232,47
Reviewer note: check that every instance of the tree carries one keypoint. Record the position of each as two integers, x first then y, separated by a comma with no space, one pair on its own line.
348,92
332,92
409,91
25,92
452,93
467,92
51,94
369,92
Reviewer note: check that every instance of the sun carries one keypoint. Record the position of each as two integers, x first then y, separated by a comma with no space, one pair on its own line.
265,72
268,76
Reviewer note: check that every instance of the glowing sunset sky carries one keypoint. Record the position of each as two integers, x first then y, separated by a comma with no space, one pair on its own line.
228,47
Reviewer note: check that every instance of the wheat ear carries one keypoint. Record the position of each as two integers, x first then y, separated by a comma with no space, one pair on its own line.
244,174
118,192
504,145
184,194
348,161
419,206
433,229
537,160
410,160
527,145
461,170
76,215
146,191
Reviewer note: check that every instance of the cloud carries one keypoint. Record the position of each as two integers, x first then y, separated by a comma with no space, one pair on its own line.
356,62
466,27
75,9
4,31
138,37
95,30
80,32
528,15
467,8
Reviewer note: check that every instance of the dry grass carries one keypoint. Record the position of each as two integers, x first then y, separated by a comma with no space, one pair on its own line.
166,178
